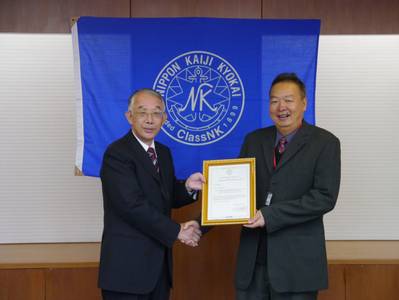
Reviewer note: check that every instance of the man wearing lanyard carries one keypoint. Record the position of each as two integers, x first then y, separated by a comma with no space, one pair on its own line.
282,253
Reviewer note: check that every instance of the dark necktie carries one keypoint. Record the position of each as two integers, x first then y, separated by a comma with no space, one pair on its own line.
153,156
280,148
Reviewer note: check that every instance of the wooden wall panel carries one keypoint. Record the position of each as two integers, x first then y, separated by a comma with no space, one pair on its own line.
47,16
207,271
195,8
24,284
67,284
339,16
346,281
371,282
336,284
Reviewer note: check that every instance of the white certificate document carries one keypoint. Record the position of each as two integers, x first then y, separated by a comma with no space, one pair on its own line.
229,192
228,195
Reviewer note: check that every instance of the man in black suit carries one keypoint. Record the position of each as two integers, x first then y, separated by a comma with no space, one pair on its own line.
139,190
282,254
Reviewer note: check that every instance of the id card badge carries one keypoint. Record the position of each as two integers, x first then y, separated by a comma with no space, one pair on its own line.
268,199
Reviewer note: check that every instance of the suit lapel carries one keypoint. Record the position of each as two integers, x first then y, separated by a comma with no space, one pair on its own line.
299,140
163,171
267,142
139,154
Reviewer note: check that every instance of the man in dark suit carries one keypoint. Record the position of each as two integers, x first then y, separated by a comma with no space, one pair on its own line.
282,253
139,190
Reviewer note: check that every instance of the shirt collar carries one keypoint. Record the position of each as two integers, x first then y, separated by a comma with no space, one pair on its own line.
144,145
289,136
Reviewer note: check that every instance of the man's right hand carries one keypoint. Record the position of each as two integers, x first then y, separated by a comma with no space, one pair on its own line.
190,233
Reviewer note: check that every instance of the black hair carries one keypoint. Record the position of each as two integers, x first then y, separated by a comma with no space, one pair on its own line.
289,77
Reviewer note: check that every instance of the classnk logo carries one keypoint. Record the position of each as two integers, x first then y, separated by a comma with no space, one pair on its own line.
204,97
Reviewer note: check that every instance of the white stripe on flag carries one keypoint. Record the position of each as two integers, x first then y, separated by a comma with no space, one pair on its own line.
79,100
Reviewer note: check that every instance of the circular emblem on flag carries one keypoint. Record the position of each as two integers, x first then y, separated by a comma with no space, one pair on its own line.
204,97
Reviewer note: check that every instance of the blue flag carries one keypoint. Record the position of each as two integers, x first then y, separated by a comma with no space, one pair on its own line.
214,75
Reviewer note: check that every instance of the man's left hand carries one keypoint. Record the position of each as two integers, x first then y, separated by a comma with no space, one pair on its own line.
257,221
195,182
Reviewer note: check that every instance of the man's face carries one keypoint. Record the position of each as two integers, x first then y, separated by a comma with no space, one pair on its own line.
146,116
287,106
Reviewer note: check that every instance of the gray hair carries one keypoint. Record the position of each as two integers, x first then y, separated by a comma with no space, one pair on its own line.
144,90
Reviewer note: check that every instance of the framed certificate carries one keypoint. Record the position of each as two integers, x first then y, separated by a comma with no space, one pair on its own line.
228,195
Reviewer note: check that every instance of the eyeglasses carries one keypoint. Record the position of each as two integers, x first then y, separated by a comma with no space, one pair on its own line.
157,115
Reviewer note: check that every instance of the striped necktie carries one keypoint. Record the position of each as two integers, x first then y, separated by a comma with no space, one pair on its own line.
153,156
280,148
281,144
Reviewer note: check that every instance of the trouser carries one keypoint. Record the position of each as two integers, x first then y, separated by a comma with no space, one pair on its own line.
160,292
260,289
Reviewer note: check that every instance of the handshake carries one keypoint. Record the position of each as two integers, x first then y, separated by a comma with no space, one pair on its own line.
190,233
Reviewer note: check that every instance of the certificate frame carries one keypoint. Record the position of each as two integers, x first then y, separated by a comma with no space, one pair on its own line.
207,165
